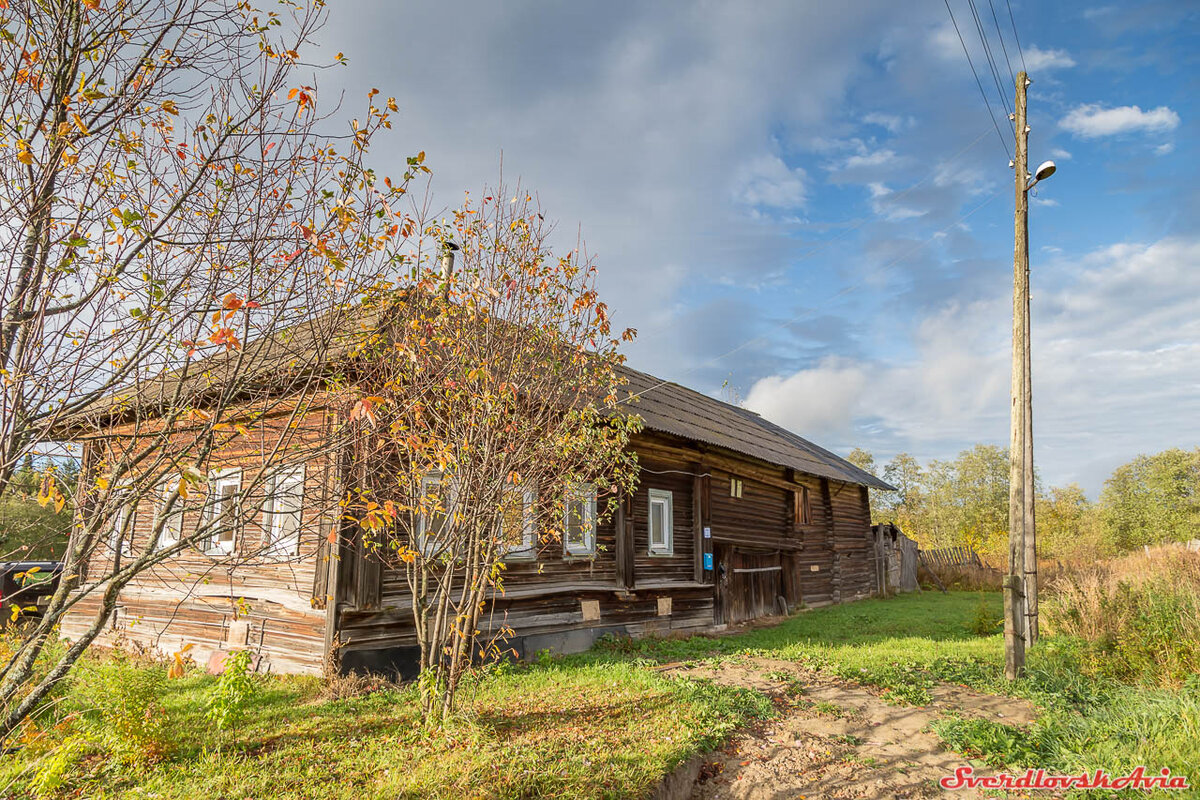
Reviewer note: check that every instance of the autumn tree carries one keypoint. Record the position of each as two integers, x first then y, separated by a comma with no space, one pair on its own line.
490,414
180,244
1153,499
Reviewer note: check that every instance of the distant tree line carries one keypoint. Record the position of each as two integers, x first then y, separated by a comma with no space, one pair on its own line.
31,530
1151,500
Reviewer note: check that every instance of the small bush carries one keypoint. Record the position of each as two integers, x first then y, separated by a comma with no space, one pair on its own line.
123,711
983,621
234,691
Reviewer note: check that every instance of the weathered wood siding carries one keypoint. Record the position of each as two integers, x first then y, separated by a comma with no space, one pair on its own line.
821,559
823,555
194,598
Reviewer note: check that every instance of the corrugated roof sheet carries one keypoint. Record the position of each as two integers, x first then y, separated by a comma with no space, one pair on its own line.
670,408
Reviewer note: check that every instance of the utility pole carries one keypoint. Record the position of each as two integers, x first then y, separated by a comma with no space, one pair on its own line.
1021,422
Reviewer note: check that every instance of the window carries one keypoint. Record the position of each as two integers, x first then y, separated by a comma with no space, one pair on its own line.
120,535
662,540
802,513
221,511
735,487
172,526
517,529
435,501
579,522
285,497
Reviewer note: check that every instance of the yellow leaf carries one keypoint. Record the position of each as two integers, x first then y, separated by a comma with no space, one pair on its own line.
101,482
170,107
79,124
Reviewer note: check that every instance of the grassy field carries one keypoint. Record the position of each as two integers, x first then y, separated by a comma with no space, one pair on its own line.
600,724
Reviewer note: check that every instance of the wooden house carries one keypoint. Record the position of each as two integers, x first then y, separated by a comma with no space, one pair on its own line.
733,518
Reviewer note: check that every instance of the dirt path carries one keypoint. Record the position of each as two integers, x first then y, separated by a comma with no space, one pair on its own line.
837,739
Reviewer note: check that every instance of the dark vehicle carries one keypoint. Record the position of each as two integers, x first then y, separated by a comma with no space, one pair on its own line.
27,587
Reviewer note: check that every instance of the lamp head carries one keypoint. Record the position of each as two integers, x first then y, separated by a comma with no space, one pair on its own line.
1044,170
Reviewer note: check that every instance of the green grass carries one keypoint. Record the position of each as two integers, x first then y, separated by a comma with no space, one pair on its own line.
601,730
605,724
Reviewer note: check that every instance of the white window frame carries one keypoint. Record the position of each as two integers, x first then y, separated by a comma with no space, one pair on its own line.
283,483
667,500
586,496
429,480
116,539
527,549
172,526
213,509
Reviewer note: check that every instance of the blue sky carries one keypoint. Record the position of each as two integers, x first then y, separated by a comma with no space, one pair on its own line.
806,208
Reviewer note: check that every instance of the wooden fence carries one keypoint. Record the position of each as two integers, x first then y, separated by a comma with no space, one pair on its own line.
959,555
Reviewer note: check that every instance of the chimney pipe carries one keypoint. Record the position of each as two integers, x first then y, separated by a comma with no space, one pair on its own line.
447,259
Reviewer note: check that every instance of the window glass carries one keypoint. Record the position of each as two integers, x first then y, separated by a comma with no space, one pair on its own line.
285,497
579,524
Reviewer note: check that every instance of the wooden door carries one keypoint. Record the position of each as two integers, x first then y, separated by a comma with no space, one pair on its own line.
749,584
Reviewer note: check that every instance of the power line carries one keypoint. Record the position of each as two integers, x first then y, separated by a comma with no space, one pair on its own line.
987,52
1000,36
982,93
1015,36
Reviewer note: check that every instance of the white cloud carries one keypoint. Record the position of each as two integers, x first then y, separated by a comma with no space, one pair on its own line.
824,398
768,181
1092,120
1044,201
892,122
883,205
1036,58
876,158
1060,154
1116,352
1164,149
943,41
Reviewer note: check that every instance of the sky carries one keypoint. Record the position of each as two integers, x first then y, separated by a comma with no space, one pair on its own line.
806,208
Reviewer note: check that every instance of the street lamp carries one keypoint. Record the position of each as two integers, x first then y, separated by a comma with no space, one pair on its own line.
1020,585
1044,170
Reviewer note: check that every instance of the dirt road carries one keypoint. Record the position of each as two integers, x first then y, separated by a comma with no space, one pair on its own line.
837,739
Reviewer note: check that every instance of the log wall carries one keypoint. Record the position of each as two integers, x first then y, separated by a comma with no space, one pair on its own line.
815,530
273,604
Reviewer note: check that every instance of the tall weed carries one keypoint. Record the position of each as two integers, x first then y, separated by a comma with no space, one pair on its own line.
1138,615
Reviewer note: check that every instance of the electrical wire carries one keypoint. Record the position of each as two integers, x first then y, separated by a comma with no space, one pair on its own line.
979,83
987,52
1016,37
1000,36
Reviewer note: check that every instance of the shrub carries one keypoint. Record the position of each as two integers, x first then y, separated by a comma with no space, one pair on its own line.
983,621
123,711
234,691
1138,615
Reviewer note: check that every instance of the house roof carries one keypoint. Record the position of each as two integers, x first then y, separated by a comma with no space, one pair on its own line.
663,406
670,408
